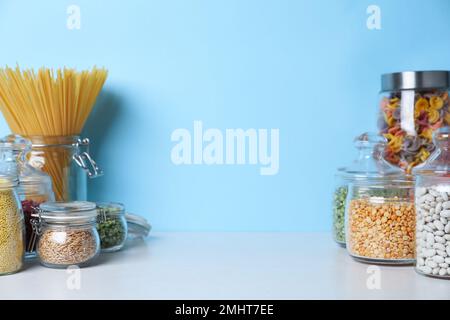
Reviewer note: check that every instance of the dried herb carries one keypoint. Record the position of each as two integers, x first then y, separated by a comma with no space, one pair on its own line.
112,232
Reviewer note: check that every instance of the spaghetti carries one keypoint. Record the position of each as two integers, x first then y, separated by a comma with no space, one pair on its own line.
50,103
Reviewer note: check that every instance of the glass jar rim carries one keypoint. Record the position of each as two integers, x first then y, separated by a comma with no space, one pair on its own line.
53,141
106,207
398,181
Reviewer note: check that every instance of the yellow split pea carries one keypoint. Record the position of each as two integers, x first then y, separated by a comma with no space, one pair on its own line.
382,230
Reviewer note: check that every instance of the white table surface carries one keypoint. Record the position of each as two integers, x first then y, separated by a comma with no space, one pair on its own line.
225,266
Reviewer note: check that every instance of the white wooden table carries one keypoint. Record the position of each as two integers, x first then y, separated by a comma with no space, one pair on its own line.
225,266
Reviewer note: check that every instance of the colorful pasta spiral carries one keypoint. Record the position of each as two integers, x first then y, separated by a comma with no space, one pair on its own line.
409,134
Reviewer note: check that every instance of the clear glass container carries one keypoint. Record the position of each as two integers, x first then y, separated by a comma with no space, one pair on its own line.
67,161
138,227
32,192
380,213
111,225
339,201
34,186
363,161
67,234
412,106
432,198
12,231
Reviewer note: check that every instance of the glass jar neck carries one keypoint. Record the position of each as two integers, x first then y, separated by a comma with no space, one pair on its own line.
74,225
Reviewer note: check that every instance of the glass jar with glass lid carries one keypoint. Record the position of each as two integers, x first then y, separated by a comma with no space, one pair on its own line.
365,157
380,214
412,106
67,161
35,186
67,234
433,210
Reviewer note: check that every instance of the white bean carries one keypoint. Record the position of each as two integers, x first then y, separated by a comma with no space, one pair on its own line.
426,269
431,264
442,253
439,239
447,228
445,213
439,225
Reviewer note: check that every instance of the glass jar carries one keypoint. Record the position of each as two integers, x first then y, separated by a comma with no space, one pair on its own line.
413,105
380,214
67,234
433,210
67,161
111,226
34,187
339,201
33,190
12,232
138,227
365,159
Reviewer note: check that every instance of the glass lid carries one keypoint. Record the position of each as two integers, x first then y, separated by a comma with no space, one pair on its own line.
138,227
75,211
15,148
370,163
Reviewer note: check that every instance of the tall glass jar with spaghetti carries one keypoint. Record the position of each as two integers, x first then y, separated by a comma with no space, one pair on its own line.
412,106
67,161
380,213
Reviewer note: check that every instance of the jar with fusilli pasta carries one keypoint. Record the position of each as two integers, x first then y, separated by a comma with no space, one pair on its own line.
412,106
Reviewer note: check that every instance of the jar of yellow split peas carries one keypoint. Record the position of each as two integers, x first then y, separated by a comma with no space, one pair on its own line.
380,213
413,105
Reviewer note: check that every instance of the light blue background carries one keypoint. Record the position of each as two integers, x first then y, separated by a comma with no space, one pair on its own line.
309,68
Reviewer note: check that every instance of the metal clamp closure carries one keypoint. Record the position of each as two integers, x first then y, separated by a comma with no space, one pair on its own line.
85,161
36,227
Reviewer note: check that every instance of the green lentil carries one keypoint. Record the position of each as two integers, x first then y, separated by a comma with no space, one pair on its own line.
340,196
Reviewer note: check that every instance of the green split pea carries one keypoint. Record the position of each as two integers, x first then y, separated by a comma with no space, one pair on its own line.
340,196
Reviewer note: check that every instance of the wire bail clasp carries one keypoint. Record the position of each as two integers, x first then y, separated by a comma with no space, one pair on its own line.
85,161
36,227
